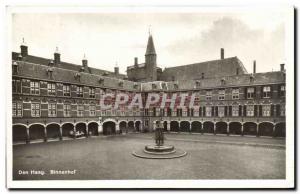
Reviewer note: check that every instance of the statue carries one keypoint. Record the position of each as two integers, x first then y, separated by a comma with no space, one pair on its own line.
159,136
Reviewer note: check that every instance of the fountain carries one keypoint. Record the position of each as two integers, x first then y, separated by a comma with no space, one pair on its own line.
159,150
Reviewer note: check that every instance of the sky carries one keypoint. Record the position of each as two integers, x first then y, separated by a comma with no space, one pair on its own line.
110,39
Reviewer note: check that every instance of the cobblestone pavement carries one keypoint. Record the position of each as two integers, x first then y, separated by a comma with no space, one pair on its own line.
209,157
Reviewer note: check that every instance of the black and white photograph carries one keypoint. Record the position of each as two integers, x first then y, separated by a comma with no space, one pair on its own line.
150,97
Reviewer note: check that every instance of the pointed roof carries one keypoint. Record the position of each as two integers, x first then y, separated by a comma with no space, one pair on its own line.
150,46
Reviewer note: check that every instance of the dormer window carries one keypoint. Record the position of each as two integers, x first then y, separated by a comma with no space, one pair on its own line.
77,76
175,86
198,84
222,82
50,72
101,80
164,86
121,83
19,57
15,68
251,79
51,63
154,86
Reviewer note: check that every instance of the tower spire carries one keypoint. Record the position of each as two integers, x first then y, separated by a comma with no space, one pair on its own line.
150,46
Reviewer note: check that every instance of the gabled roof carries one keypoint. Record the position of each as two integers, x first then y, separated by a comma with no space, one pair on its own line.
209,69
36,71
266,78
66,65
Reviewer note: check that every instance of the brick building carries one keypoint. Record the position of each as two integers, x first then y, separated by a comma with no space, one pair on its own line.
56,100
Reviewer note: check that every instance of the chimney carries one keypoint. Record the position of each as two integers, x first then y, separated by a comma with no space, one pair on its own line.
24,49
254,66
282,67
84,61
56,56
116,70
222,53
135,61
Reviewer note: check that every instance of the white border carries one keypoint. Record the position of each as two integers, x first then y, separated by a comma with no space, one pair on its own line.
51,8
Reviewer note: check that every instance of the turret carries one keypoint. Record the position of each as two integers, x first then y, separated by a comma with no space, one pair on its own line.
150,60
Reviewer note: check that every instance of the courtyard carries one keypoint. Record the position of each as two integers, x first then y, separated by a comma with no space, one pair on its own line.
110,158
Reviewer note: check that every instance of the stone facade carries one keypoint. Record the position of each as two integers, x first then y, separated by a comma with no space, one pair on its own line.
55,100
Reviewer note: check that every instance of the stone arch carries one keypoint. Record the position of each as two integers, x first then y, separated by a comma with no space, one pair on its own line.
196,127
280,129
81,128
109,128
93,128
137,125
208,127
130,126
19,133
174,126
250,128
53,131
123,126
235,128
185,126
67,129
265,129
221,127
36,131
112,120
165,126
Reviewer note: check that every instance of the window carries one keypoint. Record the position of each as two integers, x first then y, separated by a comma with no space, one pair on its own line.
52,110
67,108
250,93
51,89
221,111
208,95
146,112
66,90
80,109
282,91
16,86
266,92
282,110
79,91
35,110
35,87
221,94
208,111
179,112
92,110
250,110
154,111
17,109
92,92
235,111
15,68
266,110
235,94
